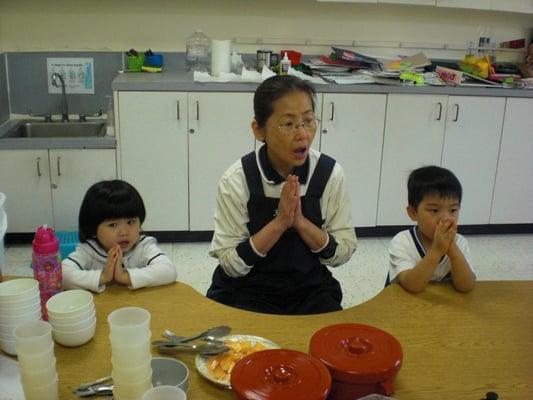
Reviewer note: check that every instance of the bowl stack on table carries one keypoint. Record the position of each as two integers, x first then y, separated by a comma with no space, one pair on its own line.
130,352
73,317
37,363
19,303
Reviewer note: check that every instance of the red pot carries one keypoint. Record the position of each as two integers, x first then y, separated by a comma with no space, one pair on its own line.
361,359
280,374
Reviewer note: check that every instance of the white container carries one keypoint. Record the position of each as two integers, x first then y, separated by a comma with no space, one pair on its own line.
165,392
74,326
48,391
129,324
74,338
198,52
69,303
37,360
17,290
135,373
220,57
38,377
68,319
3,228
33,336
131,390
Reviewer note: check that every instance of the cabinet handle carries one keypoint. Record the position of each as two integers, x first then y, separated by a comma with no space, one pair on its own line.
39,166
332,111
58,166
197,111
324,131
456,113
440,111
178,110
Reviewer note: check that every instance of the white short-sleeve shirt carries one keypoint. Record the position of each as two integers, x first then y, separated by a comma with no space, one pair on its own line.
406,251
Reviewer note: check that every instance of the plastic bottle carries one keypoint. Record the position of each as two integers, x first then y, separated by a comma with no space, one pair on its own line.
46,265
284,65
198,54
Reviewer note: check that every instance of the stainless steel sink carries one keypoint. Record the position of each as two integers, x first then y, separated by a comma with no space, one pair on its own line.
39,129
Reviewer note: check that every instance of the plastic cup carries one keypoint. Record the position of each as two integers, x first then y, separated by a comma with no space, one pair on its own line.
129,324
132,374
170,372
37,361
38,377
33,336
165,392
124,357
48,391
131,390
127,321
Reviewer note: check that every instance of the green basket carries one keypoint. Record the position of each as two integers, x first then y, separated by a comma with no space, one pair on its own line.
135,63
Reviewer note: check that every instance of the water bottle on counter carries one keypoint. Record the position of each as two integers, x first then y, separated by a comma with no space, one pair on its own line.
46,264
198,55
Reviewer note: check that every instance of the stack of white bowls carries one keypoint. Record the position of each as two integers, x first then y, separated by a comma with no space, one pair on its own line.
73,317
19,302
37,363
130,352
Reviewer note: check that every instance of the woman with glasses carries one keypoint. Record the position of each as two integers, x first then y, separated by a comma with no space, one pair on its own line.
282,212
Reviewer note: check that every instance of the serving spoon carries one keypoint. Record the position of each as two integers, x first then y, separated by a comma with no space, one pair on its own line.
203,348
211,335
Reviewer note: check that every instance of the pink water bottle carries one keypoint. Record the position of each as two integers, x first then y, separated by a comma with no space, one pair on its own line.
46,264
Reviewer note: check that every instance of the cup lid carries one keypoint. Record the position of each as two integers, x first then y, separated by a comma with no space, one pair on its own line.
280,374
45,240
357,353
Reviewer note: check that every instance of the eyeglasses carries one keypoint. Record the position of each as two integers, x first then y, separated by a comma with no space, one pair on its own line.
291,128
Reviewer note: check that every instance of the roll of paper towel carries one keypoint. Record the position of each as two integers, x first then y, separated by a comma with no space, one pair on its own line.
220,56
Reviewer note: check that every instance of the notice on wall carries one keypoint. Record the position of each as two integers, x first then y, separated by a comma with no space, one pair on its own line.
77,73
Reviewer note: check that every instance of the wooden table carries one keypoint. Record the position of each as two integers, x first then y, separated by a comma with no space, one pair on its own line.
456,346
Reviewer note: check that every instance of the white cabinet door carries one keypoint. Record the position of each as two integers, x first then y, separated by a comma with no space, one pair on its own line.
72,172
220,133
414,130
513,192
352,133
153,152
520,6
471,145
25,180
474,4
415,2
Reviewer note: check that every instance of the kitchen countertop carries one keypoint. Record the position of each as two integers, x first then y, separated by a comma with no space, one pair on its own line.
101,142
183,82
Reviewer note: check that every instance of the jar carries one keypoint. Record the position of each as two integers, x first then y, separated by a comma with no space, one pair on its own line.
280,374
362,359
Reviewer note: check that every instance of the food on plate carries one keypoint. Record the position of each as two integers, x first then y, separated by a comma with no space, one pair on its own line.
221,365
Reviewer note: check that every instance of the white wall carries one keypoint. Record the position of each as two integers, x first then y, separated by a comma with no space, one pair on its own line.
33,25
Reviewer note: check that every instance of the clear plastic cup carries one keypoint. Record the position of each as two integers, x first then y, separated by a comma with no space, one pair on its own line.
132,374
38,377
129,324
124,357
48,391
32,336
168,371
40,360
165,392
120,343
132,389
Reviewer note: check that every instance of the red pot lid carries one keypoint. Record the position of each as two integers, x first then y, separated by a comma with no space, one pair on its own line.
357,353
280,374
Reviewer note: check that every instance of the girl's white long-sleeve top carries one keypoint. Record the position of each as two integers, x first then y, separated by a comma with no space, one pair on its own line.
145,262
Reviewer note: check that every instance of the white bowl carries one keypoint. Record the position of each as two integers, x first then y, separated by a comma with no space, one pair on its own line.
20,318
70,319
69,303
20,308
73,339
30,299
18,289
75,326
8,346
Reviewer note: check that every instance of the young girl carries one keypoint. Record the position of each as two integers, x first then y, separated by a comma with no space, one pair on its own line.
112,249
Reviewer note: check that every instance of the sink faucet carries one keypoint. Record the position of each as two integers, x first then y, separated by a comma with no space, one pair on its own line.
64,105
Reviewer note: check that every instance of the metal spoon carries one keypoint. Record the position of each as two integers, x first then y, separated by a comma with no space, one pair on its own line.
211,334
203,349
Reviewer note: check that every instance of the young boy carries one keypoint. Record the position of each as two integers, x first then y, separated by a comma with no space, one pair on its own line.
432,250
